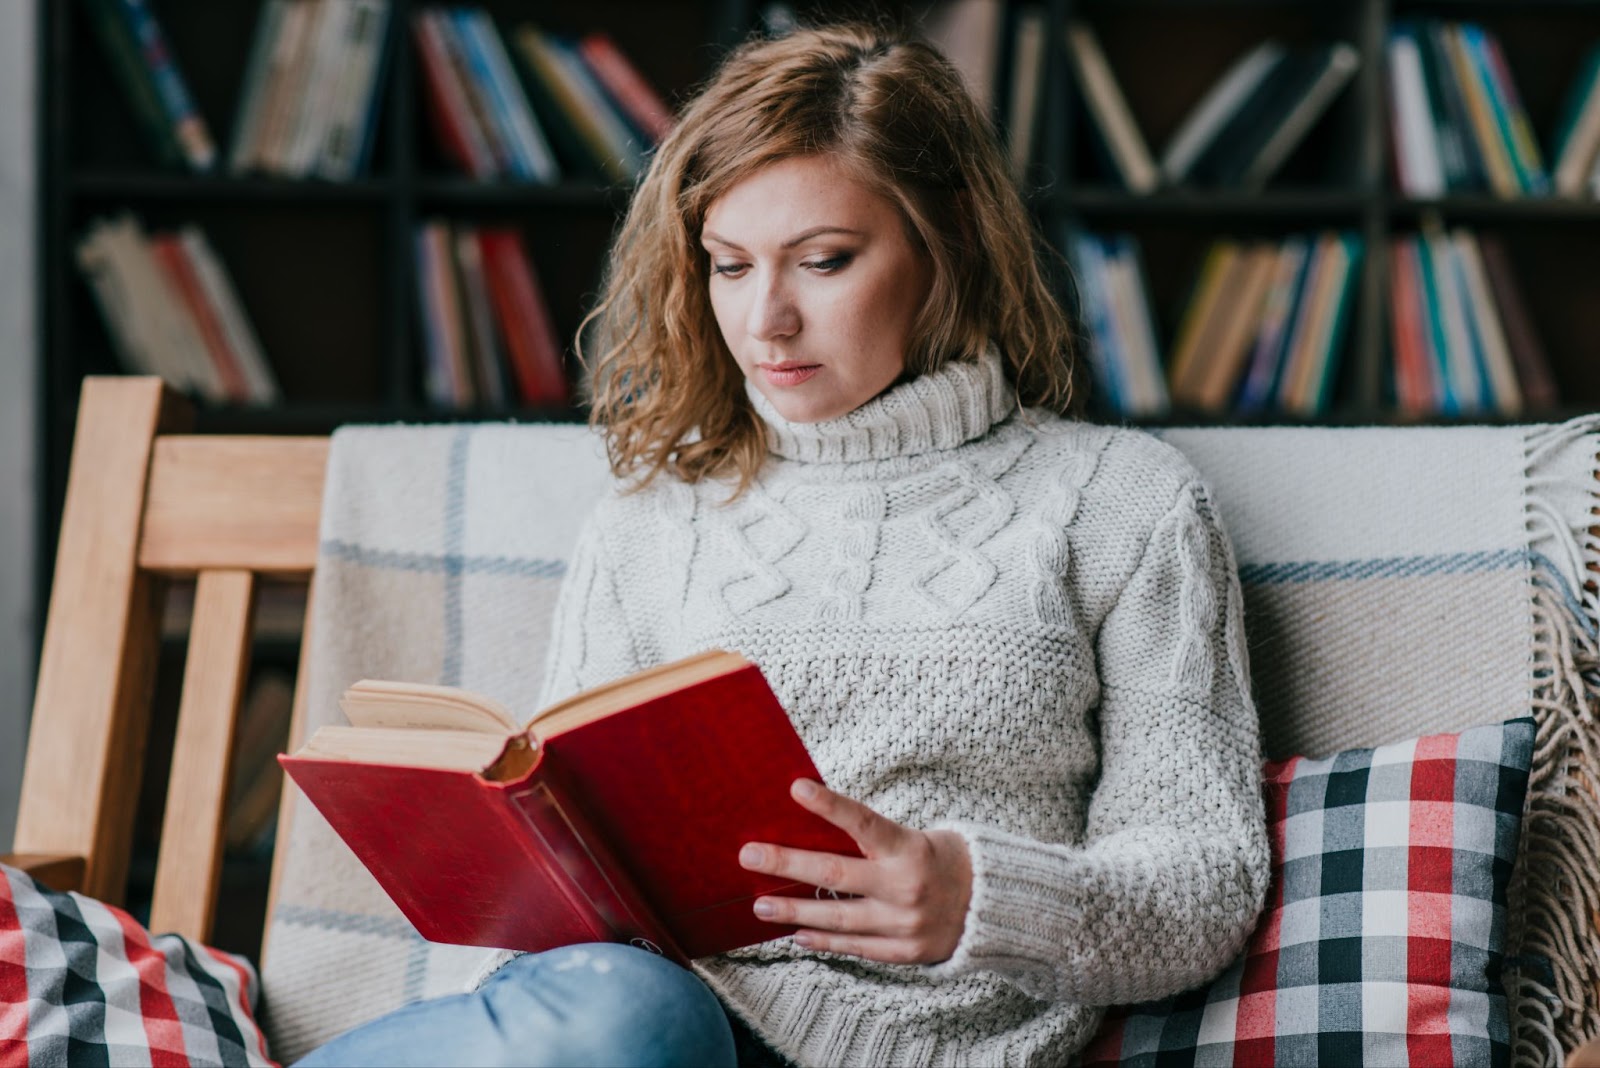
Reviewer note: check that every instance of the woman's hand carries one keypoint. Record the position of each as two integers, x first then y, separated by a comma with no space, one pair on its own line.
912,887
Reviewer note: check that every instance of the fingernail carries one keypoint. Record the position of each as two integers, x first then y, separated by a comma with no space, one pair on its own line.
803,940
752,856
765,909
805,788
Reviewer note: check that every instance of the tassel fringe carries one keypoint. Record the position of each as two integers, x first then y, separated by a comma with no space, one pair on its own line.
1553,924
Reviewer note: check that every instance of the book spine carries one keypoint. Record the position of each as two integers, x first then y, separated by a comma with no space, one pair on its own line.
252,93
524,318
1449,402
598,882
488,362
1146,349
1518,130
622,144
342,150
627,87
494,109
436,357
1110,110
242,339
475,94
1330,349
1267,358
1534,375
522,129
1416,148
169,252
1492,147
1464,165
448,108
1338,65
187,123
137,81
1217,108
1092,310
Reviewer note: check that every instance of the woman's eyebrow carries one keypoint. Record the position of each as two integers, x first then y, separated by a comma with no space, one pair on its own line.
804,235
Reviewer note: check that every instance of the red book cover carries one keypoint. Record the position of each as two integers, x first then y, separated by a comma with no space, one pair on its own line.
625,85
530,333
169,252
624,828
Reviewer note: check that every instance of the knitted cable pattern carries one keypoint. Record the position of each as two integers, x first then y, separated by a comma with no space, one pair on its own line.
999,623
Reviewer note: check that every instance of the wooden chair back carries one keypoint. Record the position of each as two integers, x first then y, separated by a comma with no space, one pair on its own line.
146,504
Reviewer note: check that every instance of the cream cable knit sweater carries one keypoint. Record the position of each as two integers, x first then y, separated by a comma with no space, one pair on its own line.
1019,627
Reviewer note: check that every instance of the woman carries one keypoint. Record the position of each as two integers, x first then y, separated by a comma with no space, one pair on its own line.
827,366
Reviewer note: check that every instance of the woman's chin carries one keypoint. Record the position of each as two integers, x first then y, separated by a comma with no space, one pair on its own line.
795,407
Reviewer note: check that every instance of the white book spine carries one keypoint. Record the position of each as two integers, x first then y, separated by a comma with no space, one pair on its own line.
165,319
369,22
1462,368
1342,62
116,303
253,98
1497,359
321,85
1416,140
1215,107
1027,70
1111,110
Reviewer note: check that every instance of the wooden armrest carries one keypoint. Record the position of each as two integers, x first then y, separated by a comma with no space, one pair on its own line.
59,871
1586,1055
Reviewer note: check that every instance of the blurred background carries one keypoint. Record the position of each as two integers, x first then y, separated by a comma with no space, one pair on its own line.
304,213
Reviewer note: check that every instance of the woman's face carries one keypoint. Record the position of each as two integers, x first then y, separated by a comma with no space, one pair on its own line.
815,285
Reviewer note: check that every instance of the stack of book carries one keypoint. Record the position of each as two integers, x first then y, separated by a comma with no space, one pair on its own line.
1238,135
546,108
488,335
1265,326
1464,343
309,102
1457,120
1114,305
143,63
1576,151
172,311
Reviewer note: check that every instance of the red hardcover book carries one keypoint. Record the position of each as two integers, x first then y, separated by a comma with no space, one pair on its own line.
626,86
174,260
616,815
530,333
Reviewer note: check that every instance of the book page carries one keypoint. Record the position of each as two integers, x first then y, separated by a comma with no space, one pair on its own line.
374,703
633,690
445,749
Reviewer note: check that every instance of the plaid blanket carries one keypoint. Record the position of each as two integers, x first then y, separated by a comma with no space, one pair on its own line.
82,982
1398,582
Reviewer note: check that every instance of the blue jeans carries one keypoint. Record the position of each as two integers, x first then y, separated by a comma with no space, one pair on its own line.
579,1005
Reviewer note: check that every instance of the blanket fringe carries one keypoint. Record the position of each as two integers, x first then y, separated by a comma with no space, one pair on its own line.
1553,920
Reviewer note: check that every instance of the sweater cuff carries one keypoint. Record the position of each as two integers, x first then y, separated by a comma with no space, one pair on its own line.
1017,901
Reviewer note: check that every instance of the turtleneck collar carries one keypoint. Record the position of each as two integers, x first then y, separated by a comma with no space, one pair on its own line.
932,412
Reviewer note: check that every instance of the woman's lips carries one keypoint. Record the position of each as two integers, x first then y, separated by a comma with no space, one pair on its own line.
789,374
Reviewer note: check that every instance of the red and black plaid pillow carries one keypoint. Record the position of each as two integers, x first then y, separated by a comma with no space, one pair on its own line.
82,982
1384,931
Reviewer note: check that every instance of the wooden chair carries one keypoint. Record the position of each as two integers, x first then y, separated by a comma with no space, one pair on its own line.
147,503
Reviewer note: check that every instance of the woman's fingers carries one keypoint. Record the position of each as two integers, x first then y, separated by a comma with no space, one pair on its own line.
876,835
846,875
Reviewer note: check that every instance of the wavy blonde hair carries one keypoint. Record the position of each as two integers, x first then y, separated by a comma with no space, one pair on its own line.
664,388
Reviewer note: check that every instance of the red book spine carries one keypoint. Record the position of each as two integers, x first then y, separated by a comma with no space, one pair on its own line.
644,107
1414,397
169,252
536,360
447,107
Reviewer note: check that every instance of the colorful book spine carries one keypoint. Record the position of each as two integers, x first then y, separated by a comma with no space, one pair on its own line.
1266,358
493,68
451,114
138,84
633,95
188,125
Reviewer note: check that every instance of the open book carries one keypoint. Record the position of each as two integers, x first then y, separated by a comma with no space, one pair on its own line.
616,815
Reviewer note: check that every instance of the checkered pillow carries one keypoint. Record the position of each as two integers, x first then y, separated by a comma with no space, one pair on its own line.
1382,939
83,983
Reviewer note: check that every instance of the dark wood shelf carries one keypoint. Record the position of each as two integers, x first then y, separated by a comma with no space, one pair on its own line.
440,192
1319,204
155,185
1497,209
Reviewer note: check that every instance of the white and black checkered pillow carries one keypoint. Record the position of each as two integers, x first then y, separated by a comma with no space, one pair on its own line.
1384,931
83,983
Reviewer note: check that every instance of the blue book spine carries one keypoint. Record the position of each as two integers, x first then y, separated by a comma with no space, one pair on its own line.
1260,382
187,122
1103,324
1432,315
374,101
490,91
1480,357
1342,306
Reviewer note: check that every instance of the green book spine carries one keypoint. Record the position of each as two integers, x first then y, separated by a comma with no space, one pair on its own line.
137,81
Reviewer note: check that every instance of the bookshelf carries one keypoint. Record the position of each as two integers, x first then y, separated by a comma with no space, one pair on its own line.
326,269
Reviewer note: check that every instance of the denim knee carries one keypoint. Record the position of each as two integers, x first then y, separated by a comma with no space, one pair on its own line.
616,1004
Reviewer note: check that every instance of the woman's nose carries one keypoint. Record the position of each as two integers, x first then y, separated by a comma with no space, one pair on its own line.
772,312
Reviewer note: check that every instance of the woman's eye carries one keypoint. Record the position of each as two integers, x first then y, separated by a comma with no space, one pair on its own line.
832,263
731,270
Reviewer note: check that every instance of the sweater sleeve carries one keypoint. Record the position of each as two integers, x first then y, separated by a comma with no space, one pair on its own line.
1172,871
590,639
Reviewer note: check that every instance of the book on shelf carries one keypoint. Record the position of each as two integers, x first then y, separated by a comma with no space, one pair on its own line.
1263,329
565,78
1457,120
1213,110
1028,41
1252,142
142,60
1575,148
1113,119
1460,337
968,33
171,310
1121,346
487,330
616,815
